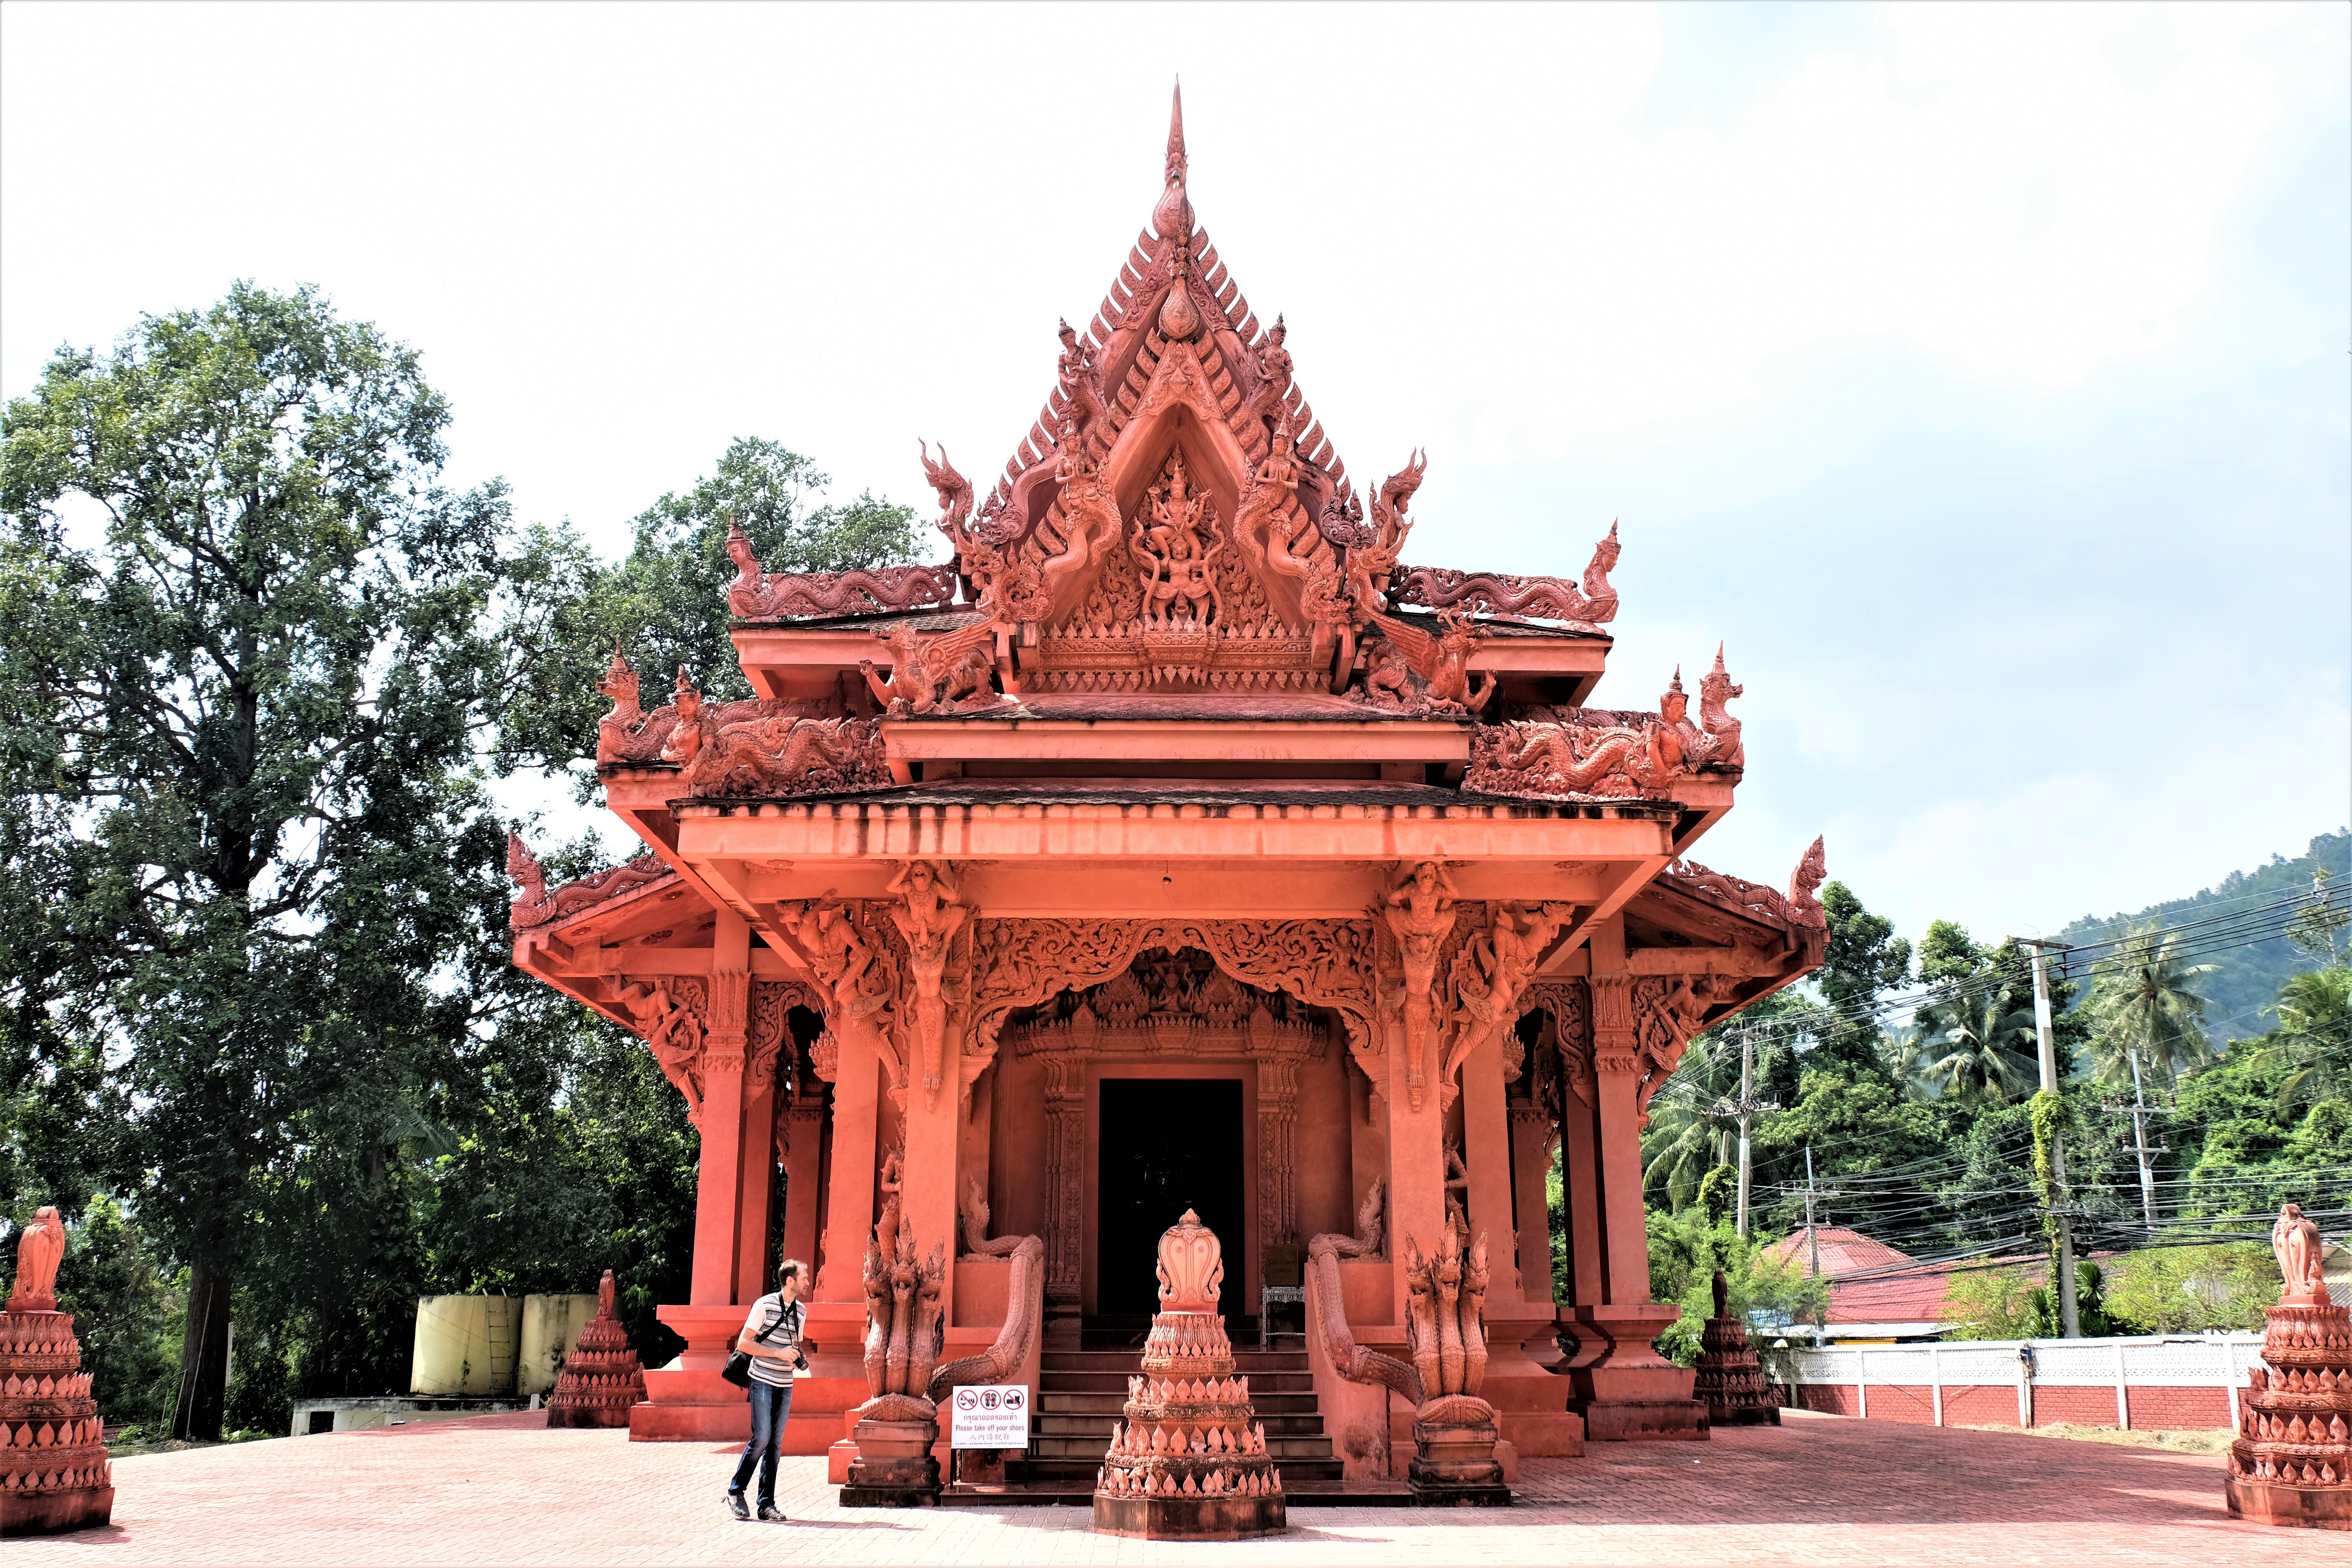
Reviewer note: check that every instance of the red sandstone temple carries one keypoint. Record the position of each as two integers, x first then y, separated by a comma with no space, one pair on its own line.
1178,845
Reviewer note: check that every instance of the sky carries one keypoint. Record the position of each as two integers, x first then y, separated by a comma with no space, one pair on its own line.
1979,376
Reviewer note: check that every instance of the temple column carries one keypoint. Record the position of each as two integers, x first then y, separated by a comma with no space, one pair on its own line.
692,1401
803,1134
1629,1391
849,1177
1486,1148
1066,1155
718,1185
757,1144
1532,1140
1416,1166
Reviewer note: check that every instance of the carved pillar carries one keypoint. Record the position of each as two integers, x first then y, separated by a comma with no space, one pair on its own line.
1066,1155
1617,1069
1533,1138
717,1194
1629,1391
1416,1166
1277,1123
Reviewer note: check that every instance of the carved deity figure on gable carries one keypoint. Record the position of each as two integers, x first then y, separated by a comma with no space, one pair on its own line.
1177,541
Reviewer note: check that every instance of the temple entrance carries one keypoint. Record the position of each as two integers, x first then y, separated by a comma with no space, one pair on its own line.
1168,1145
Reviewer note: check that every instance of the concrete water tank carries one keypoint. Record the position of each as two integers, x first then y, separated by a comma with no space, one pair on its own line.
550,1328
465,1347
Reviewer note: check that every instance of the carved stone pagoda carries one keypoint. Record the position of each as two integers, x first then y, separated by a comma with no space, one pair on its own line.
1178,795
2292,1461
600,1381
54,1472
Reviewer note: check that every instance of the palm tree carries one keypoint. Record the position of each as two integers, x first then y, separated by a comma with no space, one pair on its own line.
1687,1136
1907,1052
2143,1011
2314,1039
1976,1047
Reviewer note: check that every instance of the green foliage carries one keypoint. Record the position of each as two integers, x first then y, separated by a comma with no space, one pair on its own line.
2247,978
665,605
2145,1014
1863,958
127,1314
2188,1290
1718,1196
1684,1253
1990,1304
2312,1047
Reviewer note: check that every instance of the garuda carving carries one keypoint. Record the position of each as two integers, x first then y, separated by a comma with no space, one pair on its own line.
1495,594
1490,973
948,672
771,751
1580,762
1420,912
755,595
859,971
668,1014
932,917
537,906
1438,668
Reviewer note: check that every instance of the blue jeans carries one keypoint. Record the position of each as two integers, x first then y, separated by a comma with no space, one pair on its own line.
770,1407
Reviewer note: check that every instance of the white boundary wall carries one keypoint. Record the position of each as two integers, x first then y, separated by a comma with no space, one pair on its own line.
2208,1361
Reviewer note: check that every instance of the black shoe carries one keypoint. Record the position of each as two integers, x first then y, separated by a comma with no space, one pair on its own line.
771,1514
737,1506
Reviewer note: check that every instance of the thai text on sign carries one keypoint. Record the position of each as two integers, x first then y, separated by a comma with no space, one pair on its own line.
990,1415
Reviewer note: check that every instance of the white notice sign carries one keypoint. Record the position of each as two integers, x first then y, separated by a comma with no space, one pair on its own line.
990,1415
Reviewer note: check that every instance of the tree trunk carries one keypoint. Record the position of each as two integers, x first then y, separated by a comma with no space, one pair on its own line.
203,1357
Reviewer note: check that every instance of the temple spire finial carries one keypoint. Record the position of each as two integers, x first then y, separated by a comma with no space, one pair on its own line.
1176,160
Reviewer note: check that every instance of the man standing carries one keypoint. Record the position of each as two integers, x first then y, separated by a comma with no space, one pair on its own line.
771,1338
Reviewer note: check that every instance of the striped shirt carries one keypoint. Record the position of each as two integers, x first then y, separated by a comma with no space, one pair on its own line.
766,1313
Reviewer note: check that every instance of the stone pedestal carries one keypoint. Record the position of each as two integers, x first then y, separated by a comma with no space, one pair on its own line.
895,1467
1190,1460
1454,1466
601,1381
691,1401
2291,1462
1631,1393
54,1473
1730,1380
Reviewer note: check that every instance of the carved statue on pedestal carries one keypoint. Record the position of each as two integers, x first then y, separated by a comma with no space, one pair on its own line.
898,1425
54,1473
2291,1462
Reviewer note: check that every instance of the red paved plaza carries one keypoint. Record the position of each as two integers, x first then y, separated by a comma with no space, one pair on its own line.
1820,1491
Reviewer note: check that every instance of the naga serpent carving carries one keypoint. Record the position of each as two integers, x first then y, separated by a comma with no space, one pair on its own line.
537,906
1002,1361
1496,593
1355,1362
757,595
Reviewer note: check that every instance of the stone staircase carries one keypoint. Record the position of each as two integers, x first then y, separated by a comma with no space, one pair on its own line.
1081,1393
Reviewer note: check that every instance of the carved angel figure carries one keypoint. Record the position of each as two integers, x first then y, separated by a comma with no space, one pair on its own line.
1080,381
627,734
39,1248
1272,366
1714,739
523,867
2295,1241
1493,970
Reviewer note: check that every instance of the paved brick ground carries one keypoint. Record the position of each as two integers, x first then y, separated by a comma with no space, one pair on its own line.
1820,1491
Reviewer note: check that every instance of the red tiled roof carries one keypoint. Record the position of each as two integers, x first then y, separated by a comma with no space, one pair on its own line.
1912,1296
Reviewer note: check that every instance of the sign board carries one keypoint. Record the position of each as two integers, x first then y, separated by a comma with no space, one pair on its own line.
990,1415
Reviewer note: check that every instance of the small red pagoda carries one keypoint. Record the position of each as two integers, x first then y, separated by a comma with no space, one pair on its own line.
1178,845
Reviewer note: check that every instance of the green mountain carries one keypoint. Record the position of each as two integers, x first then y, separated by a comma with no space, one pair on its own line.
2245,979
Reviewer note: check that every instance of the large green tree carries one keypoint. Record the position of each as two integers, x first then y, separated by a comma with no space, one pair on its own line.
253,652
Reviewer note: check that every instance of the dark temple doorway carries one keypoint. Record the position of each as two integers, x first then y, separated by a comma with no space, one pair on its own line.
1168,1145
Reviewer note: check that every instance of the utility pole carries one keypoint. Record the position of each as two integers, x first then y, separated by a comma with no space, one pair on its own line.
1744,1110
2070,1312
2139,1144
1812,1241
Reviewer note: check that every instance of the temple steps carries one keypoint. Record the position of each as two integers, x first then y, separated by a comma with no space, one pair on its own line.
1080,1393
